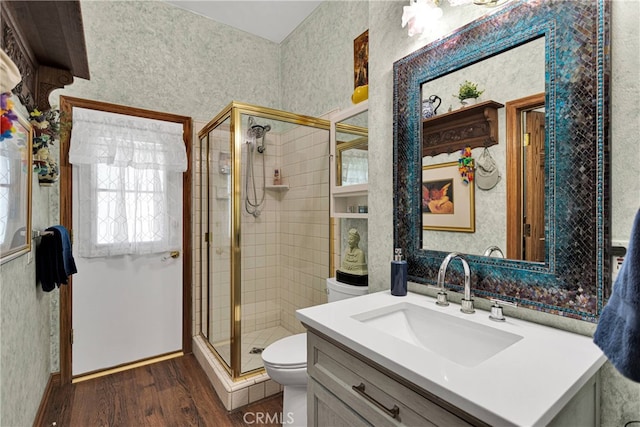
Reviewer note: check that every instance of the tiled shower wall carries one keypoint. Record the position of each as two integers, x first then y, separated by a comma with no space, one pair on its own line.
304,261
260,240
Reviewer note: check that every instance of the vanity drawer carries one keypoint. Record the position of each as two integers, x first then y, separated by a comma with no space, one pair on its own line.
328,410
373,394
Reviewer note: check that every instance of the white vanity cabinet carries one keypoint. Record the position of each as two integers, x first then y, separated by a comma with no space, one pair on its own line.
346,389
430,369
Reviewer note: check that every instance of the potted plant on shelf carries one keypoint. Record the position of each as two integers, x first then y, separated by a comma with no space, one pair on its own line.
468,93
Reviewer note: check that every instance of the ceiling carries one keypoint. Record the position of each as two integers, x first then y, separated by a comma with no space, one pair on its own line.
272,20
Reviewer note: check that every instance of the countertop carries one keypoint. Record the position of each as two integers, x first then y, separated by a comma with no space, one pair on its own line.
527,384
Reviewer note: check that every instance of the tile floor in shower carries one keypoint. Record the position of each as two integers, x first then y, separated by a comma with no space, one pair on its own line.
257,339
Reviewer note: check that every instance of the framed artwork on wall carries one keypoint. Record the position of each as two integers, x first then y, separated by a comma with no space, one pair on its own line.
361,60
447,202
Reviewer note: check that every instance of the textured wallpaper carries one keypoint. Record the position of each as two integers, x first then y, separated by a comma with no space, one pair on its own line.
317,58
24,322
153,55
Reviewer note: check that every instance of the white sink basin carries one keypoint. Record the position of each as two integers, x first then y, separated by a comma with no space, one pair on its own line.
461,341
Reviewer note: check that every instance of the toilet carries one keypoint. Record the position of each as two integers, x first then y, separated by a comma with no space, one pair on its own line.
286,360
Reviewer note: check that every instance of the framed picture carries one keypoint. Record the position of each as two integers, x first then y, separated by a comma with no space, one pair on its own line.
15,192
361,60
447,202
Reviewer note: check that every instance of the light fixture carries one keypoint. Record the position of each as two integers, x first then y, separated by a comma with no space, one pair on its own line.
489,3
421,14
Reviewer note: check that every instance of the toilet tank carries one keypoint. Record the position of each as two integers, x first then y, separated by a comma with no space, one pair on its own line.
337,291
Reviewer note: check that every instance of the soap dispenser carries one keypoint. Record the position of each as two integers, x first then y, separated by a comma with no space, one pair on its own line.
398,274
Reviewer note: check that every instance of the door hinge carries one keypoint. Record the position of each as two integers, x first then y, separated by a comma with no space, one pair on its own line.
206,237
71,235
71,336
526,139
527,230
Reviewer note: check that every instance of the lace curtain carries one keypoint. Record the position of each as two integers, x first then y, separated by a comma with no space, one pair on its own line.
129,172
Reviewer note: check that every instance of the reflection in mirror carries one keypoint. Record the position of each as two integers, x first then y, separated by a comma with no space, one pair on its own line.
15,192
352,150
512,74
352,161
525,178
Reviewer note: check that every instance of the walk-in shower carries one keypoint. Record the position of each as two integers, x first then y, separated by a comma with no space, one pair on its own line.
262,250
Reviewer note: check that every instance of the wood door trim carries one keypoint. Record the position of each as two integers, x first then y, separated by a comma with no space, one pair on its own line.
66,204
514,166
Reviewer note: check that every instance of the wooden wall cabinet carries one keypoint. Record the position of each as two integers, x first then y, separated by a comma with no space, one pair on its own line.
473,126
45,39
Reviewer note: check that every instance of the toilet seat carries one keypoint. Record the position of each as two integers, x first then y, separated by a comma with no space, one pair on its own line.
287,353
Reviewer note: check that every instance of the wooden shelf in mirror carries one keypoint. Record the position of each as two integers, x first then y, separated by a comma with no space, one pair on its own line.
473,126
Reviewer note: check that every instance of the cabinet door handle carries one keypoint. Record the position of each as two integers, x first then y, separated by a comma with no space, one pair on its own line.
393,412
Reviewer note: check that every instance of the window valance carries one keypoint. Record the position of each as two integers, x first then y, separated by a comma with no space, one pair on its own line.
120,140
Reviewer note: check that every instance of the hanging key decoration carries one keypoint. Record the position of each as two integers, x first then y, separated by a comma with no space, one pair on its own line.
466,165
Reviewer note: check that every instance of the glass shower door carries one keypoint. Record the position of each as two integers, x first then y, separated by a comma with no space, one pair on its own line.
219,235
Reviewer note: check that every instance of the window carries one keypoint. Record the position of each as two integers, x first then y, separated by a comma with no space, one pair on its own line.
129,175
130,201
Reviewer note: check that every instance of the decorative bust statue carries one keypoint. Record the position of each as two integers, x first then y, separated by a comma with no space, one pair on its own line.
354,260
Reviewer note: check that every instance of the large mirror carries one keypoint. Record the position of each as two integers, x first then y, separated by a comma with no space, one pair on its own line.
521,72
527,48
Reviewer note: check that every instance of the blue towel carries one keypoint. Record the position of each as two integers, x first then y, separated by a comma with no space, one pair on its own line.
68,263
618,331
54,259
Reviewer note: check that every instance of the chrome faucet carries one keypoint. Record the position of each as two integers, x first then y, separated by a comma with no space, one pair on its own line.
467,302
492,249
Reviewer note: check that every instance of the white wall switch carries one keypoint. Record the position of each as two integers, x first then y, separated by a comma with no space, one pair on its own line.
617,260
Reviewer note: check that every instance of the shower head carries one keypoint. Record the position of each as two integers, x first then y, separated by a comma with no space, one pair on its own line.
258,131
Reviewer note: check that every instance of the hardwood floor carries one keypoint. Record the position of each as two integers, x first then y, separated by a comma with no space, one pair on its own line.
175,392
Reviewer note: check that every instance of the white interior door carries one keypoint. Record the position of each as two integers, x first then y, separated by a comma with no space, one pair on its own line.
124,308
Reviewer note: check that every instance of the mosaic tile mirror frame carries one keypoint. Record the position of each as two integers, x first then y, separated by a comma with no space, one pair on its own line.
574,279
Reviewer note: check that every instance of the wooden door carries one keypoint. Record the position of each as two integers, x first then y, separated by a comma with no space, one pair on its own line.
534,244
180,283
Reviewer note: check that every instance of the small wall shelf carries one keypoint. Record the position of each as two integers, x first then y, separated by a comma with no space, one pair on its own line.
348,198
473,126
280,187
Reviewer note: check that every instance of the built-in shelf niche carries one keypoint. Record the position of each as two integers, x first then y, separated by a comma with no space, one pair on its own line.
278,187
472,126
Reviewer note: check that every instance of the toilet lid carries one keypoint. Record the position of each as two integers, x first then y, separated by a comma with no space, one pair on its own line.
289,352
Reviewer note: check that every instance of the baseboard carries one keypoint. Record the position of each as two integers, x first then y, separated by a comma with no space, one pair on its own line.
54,381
